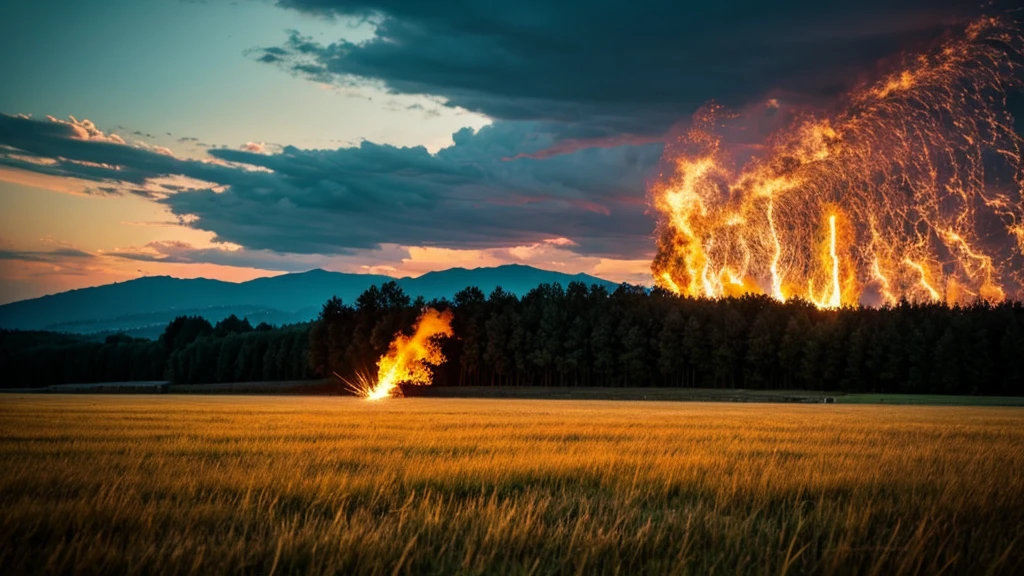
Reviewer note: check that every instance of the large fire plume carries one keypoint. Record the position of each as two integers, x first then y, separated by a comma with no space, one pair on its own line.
911,190
408,357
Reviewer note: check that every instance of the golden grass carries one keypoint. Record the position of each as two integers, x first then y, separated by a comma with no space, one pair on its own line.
177,485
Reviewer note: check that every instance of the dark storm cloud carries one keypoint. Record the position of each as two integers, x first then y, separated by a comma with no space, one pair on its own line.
482,192
605,67
467,196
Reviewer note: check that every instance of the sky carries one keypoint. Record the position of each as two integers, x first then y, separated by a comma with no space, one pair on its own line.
239,139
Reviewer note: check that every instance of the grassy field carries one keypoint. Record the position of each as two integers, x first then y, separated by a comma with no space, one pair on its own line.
278,485
930,400
705,395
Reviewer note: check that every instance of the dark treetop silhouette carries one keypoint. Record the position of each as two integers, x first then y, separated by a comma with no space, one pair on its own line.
574,336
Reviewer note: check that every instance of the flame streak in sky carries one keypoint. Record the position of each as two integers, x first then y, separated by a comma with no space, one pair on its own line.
913,190
408,357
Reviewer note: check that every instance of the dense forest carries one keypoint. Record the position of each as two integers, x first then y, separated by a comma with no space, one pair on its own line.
576,336
190,350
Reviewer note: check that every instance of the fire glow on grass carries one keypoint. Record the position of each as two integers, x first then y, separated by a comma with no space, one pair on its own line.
913,189
408,357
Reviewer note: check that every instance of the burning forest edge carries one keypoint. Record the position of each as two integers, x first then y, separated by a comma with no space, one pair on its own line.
909,190
574,336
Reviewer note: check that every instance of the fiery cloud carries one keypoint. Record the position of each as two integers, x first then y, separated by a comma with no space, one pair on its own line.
912,190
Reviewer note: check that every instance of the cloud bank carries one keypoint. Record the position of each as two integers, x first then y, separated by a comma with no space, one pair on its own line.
485,191
602,68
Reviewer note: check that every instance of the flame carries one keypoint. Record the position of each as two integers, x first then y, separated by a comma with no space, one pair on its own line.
912,190
834,300
408,357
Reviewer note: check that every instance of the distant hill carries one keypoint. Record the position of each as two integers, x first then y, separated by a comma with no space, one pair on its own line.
143,306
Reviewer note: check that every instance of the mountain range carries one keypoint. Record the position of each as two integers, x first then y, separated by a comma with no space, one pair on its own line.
143,307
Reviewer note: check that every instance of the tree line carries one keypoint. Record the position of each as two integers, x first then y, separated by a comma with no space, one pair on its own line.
632,336
190,350
578,336
34,359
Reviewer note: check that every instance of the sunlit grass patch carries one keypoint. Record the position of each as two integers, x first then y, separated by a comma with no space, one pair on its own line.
170,484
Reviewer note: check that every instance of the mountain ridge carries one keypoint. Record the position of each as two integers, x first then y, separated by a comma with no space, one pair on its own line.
296,296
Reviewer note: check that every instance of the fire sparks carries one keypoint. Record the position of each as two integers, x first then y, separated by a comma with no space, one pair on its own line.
912,190
408,357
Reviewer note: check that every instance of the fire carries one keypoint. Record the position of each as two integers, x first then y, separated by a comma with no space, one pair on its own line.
834,299
408,357
912,190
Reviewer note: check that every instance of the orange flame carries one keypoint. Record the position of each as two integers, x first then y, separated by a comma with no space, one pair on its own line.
408,357
913,189
834,300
